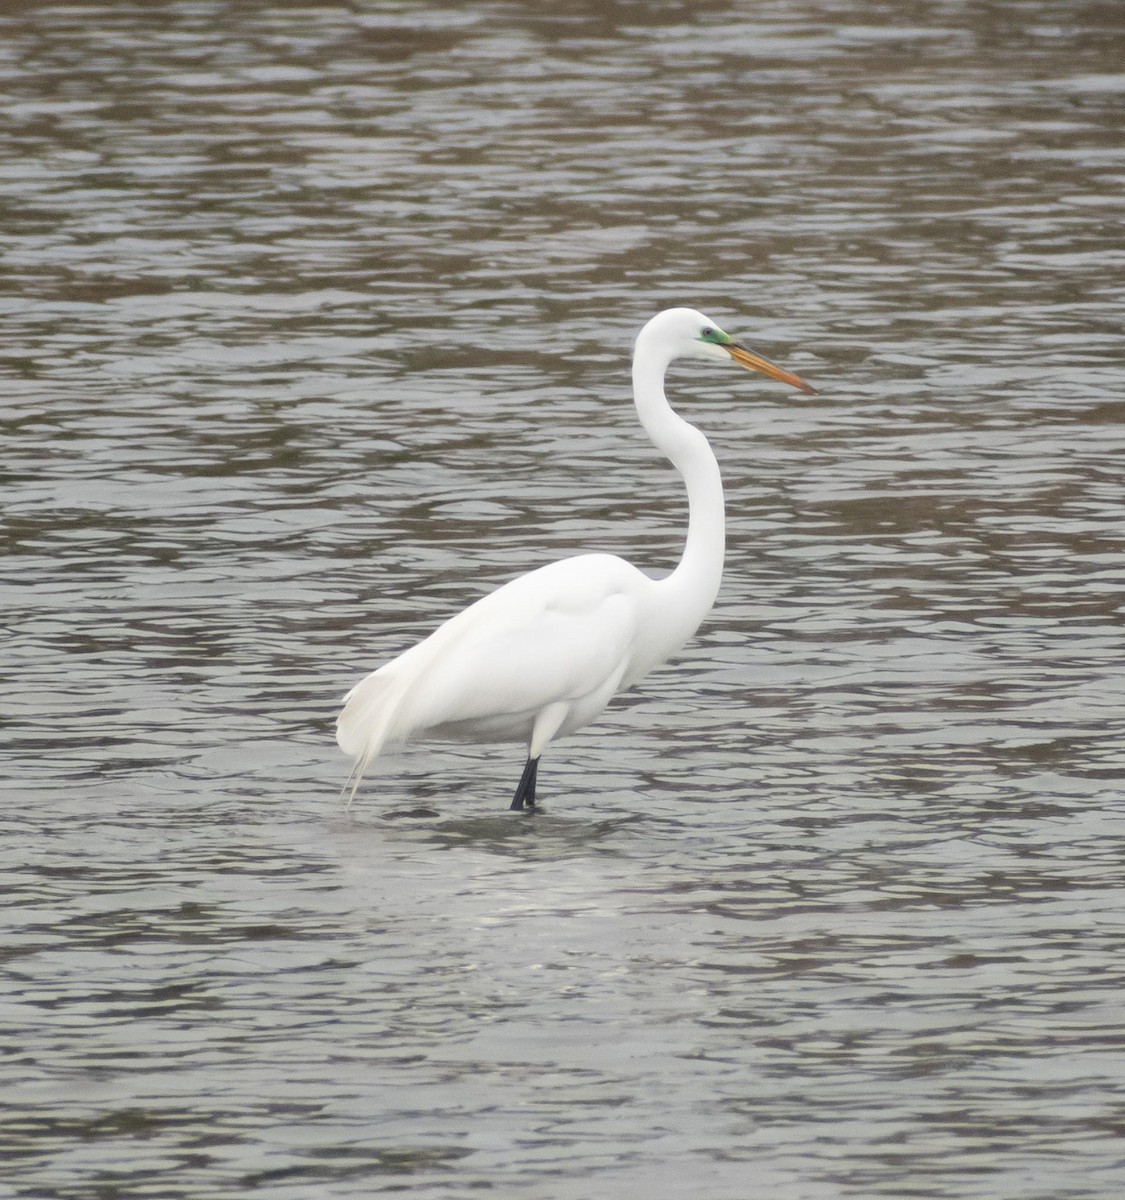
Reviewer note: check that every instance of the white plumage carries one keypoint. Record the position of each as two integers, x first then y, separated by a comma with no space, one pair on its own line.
545,653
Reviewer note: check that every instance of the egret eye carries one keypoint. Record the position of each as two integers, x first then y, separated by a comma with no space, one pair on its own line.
708,333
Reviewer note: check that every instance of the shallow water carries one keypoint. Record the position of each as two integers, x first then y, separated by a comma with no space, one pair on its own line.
317,324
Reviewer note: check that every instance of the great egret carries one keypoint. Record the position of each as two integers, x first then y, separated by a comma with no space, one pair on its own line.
544,654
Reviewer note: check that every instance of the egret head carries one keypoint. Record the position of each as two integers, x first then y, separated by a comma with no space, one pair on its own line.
686,333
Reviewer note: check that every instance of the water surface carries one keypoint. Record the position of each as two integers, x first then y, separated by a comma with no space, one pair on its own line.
316,325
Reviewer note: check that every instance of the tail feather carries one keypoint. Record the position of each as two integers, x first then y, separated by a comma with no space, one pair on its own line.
366,724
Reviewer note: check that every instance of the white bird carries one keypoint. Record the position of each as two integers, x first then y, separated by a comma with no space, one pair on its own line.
545,653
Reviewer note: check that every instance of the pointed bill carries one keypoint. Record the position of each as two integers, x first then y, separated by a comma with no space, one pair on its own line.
755,362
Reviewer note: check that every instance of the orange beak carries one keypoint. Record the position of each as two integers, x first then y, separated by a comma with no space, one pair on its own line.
755,362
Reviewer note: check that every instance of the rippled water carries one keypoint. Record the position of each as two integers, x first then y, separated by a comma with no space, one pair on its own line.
316,323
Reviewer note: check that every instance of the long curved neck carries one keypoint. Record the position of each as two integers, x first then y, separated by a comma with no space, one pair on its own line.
695,581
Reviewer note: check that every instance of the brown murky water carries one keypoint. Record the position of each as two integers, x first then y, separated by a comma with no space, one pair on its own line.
316,323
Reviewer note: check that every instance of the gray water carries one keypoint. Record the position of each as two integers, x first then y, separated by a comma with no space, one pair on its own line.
316,325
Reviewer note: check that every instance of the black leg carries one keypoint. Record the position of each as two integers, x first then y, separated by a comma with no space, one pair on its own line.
525,791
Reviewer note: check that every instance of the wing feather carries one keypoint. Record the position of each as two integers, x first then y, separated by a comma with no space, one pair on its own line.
558,634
